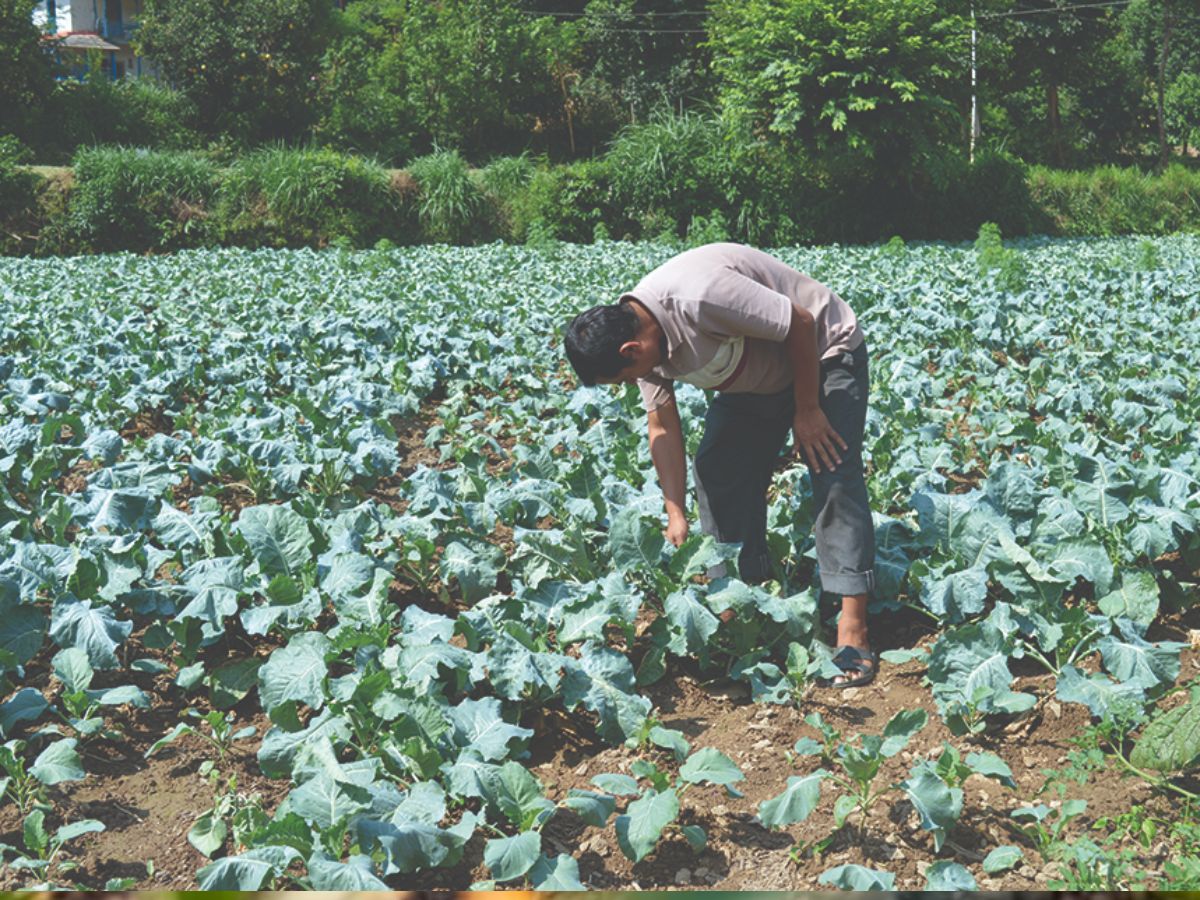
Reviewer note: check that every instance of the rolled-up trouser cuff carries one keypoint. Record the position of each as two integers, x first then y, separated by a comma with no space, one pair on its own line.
849,583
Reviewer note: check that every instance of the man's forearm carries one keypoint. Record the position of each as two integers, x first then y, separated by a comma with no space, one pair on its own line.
666,450
802,351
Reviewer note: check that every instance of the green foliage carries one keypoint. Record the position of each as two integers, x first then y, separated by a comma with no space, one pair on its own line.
247,67
663,170
449,201
400,732
278,197
407,76
1182,102
18,194
570,201
1111,200
992,255
657,805
26,71
134,199
132,112
504,183
850,82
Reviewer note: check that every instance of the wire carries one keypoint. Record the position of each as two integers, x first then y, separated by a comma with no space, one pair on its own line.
652,15
615,14
1055,9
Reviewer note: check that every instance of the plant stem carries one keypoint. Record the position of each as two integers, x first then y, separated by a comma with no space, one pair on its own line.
1152,780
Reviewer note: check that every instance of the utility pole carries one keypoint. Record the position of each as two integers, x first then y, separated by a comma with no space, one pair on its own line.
974,99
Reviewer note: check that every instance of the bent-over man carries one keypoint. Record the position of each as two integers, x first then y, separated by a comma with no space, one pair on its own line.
783,352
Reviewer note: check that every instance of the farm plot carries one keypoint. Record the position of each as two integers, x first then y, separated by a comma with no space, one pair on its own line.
319,572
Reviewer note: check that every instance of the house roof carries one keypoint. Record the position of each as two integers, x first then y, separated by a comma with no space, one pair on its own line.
84,41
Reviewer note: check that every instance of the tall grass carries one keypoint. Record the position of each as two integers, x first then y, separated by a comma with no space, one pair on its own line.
127,198
667,169
1110,200
504,183
450,203
279,196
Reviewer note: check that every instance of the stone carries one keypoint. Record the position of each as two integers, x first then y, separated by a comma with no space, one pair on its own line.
701,872
581,769
683,876
1055,708
720,810
850,693
763,744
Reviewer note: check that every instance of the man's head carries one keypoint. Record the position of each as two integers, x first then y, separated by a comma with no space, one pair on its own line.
614,344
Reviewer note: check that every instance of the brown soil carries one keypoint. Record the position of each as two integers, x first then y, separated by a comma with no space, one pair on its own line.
148,423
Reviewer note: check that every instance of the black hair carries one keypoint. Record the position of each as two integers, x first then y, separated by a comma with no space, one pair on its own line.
594,338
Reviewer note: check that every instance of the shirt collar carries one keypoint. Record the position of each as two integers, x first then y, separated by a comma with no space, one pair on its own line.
667,323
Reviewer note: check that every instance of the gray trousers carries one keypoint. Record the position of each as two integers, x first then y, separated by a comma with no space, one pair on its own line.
743,437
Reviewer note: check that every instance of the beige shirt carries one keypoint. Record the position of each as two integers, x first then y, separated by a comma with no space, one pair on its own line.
725,310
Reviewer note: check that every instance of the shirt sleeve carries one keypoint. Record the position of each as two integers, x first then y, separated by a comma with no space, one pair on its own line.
656,391
738,306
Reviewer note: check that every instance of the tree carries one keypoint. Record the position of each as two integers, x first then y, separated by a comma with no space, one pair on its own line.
1166,34
1182,110
26,69
467,74
1050,44
859,84
248,65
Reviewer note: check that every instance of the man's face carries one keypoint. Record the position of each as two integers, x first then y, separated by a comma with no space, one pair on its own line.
642,355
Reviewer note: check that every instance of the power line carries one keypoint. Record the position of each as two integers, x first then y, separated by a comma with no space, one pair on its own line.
613,14
650,15
1056,9
647,17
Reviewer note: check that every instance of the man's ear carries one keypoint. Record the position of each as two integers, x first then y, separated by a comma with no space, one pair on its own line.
629,349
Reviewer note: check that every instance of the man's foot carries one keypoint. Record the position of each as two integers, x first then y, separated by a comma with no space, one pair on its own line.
860,667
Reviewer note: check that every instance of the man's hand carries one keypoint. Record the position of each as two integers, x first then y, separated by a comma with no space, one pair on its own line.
816,437
677,530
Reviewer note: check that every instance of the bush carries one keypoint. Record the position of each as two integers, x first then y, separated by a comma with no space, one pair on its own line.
450,202
992,256
570,201
1112,200
770,196
132,111
505,186
661,170
279,197
18,197
136,199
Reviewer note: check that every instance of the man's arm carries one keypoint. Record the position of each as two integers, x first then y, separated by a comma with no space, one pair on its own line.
813,433
666,449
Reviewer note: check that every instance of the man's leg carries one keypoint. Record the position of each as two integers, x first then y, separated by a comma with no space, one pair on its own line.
844,532
743,435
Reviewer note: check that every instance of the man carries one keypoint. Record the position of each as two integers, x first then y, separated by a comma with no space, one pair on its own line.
782,351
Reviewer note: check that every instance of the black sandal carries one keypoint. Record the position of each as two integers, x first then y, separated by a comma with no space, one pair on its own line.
862,666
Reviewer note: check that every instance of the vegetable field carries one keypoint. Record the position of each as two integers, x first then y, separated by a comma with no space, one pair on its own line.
318,571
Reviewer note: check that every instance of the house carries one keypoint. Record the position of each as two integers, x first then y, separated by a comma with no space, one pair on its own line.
81,27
